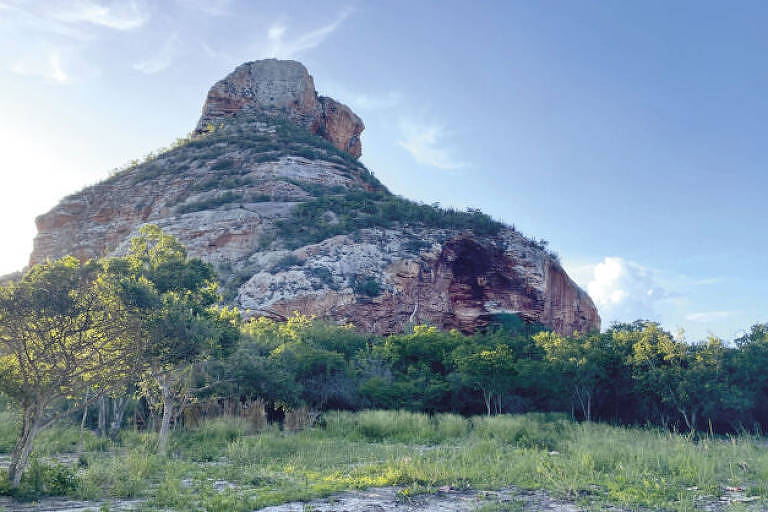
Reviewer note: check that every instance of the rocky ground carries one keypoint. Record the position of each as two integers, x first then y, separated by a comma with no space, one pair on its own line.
398,499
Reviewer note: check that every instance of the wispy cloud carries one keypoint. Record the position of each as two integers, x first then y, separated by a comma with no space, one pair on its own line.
49,67
425,144
48,40
382,101
280,46
57,71
124,15
217,54
209,7
162,59
709,316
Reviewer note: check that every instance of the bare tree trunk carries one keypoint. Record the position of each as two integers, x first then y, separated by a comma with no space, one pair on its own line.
82,421
690,421
102,425
585,402
162,441
31,426
487,397
118,412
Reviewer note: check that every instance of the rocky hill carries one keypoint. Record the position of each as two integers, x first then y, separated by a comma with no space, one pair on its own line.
269,190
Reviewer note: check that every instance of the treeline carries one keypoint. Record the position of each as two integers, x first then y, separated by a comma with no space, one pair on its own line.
634,373
142,340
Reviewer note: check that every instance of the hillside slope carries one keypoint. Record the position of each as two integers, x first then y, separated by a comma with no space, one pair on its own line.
270,191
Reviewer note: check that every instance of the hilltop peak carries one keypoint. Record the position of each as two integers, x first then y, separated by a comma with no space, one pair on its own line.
273,195
282,87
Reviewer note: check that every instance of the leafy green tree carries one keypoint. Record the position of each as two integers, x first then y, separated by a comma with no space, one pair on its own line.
61,333
421,363
490,370
682,379
579,361
173,298
747,367
318,356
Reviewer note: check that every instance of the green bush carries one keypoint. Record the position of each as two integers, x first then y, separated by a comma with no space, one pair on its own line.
40,480
534,430
367,286
324,276
396,426
10,426
450,426
125,476
356,210
210,439
208,204
285,263
223,164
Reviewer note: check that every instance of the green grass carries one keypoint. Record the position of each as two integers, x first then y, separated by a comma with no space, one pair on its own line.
208,204
591,463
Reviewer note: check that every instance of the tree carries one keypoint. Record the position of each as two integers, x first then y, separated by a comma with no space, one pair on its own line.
61,333
490,370
579,360
420,362
172,298
689,380
747,366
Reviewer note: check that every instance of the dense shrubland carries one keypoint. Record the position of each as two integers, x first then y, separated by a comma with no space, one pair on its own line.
126,347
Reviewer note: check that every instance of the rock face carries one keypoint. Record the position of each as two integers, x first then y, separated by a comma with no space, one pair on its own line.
282,86
293,222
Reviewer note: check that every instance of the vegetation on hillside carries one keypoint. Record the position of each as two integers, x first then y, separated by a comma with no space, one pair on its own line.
260,138
255,138
310,222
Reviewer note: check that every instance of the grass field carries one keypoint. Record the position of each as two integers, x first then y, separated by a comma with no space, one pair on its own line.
223,466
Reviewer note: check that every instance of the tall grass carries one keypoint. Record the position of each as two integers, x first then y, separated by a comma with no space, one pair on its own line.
591,463
10,425
396,426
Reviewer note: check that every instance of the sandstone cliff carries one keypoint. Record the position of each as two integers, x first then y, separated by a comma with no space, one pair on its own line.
272,194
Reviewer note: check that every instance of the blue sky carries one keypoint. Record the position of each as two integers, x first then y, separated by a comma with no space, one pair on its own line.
631,135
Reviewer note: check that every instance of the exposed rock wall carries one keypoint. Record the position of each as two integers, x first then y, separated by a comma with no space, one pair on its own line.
225,195
457,281
276,86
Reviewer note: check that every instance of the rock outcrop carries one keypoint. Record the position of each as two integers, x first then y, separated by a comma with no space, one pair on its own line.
293,222
282,86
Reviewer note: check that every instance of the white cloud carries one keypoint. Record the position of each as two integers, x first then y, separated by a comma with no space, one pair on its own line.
275,33
709,316
423,142
117,16
280,47
162,59
624,290
57,72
